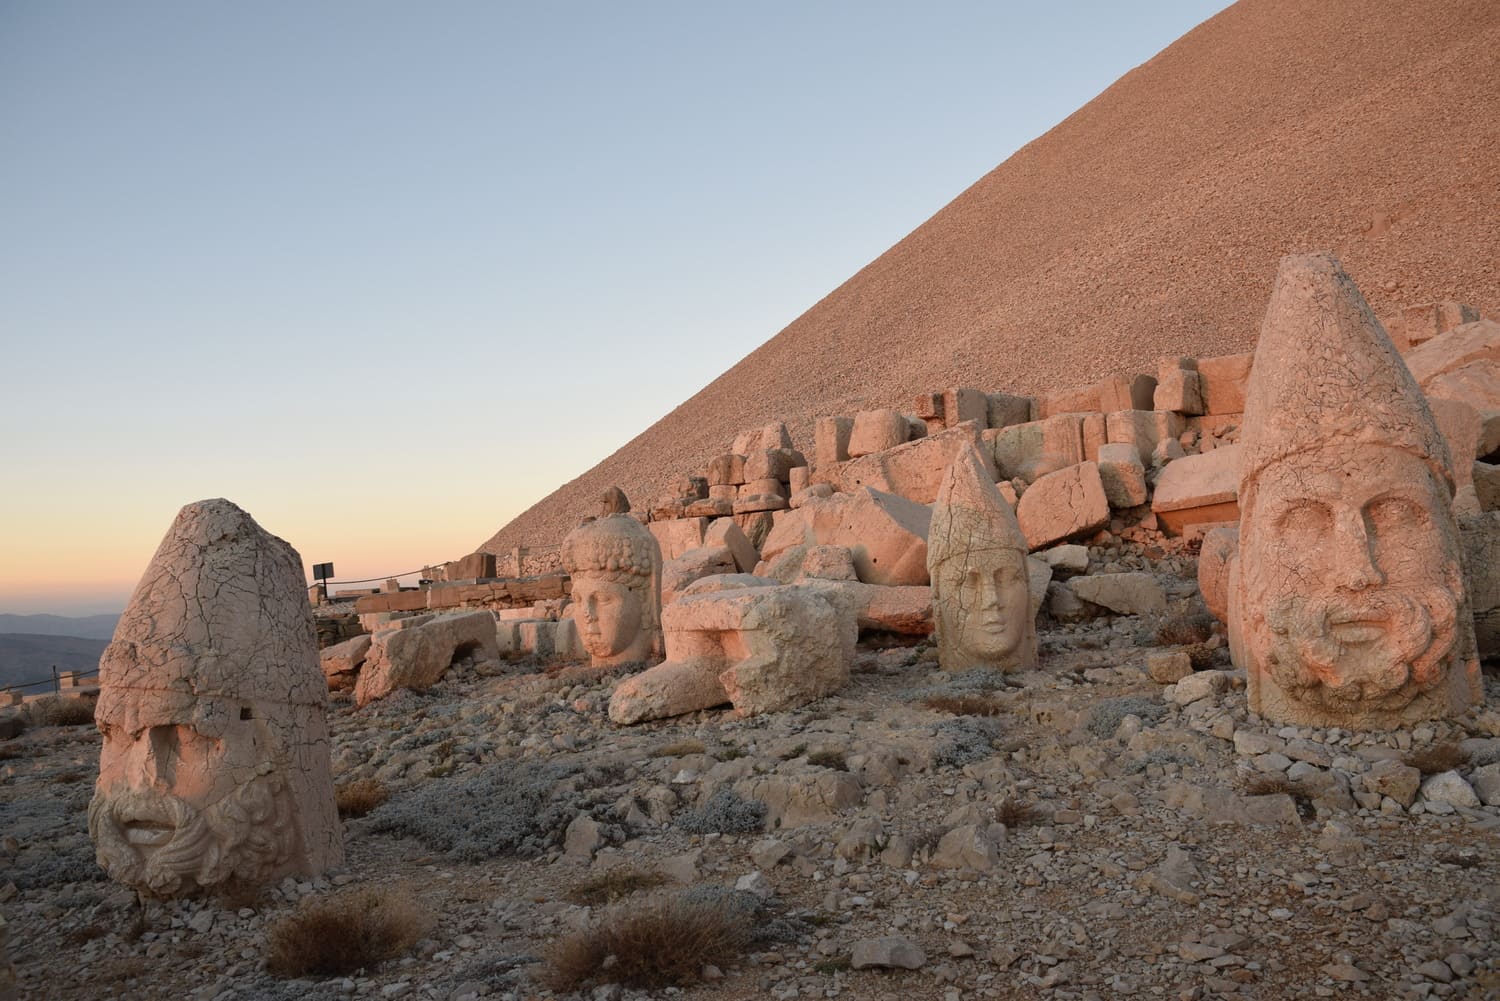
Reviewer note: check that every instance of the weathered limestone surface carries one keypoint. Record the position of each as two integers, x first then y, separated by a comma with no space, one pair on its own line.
1220,546
1145,429
1352,601
1223,381
886,533
1123,593
760,648
215,761
342,661
1123,476
1481,557
724,532
1197,489
616,565
913,470
1035,448
416,658
693,565
976,557
677,535
876,431
1062,505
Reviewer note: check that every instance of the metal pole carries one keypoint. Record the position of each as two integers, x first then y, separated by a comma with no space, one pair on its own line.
56,684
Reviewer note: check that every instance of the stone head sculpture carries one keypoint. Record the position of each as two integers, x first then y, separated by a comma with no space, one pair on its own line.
1351,601
615,563
976,558
214,768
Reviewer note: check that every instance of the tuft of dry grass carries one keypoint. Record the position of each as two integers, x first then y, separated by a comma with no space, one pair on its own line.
1186,625
344,933
1270,785
680,749
11,750
54,710
665,943
1015,813
965,705
357,798
829,759
613,884
1438,758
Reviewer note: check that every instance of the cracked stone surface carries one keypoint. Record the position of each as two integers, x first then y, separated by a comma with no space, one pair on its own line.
214,767
1353,610
976,557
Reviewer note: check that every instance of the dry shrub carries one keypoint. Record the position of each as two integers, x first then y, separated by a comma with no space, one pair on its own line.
665,943
1015,813
965,705
1185,626
1270,785
357,798
11,750
1202,656
829,759
345,933
613,884
680,749
54,710
1438,758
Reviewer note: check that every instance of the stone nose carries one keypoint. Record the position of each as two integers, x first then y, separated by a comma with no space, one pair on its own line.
1354,567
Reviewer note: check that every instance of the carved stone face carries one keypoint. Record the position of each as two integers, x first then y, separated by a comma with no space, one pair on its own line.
608,612
192,796
983,608
1352,585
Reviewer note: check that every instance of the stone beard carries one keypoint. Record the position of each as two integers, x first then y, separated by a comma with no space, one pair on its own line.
615,564
197,794
1352,583
981,602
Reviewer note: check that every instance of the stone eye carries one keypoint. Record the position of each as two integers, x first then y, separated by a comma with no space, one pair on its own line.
1306,517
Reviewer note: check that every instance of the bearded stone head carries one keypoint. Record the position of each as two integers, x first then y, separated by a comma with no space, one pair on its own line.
214,767
615,565
1352,608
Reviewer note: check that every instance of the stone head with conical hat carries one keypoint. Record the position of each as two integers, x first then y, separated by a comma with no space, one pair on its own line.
1351,603
976,558
615,563
214,768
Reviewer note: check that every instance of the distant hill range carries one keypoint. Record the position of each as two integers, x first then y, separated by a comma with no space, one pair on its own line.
31,645
1148,223
26,657
94,627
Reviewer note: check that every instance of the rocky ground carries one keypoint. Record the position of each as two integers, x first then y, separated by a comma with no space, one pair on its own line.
1101,835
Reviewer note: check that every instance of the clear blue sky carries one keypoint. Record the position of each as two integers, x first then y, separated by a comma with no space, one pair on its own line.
385,274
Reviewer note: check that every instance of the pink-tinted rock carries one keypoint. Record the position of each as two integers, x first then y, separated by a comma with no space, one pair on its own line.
1080,400
342,661
691,566
1126,392
1223,381
1006,409
876,431
1123,476
1069,503
214,767
961,405
913,470
417,658
678,535
1179,388
1036,448
724,532
1352,606
1198,489
886,534
1145,429
831,441
1220,546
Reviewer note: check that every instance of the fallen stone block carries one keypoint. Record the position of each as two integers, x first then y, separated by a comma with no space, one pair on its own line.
1145,429
1130,593
914,470
342,661
960,405
1126,392
1063,505
418,657
1179,388
678,535
1123,476
725,470
877,430
724,532
1028,451
1197,489
1083,399
831,440
1005,410
1223,380
693,565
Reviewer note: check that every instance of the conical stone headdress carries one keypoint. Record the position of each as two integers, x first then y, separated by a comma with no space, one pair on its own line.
1325,371
220,613
970,516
